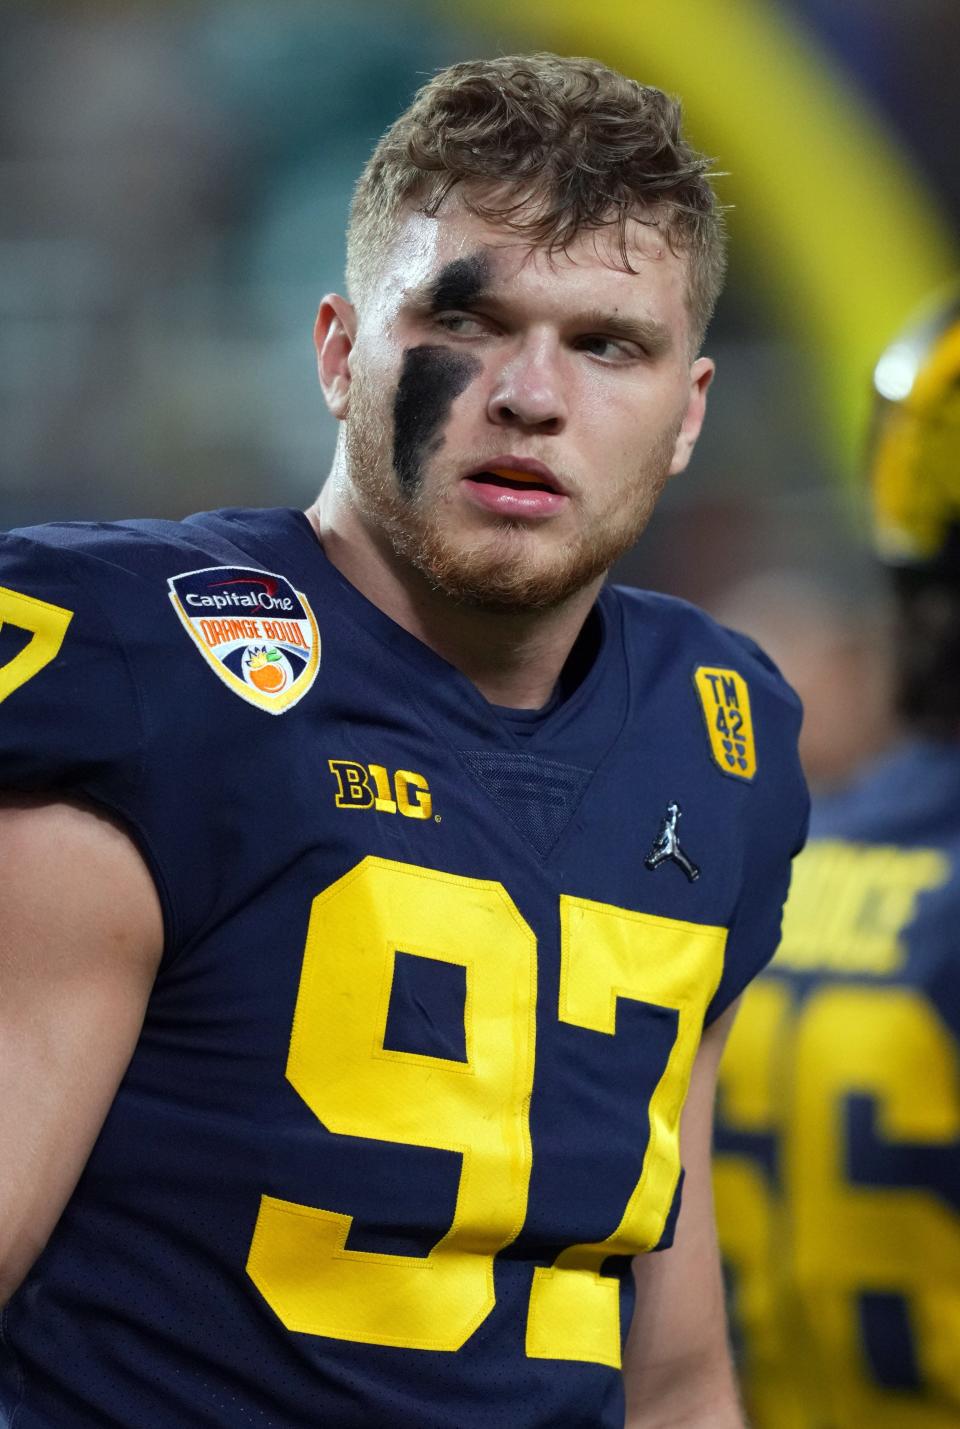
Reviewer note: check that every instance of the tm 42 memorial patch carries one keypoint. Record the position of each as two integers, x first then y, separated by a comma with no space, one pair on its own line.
253,629
725,700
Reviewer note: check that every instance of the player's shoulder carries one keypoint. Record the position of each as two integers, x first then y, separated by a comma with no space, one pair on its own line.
723,701
82,608
92,548
101,698
668,628
116,576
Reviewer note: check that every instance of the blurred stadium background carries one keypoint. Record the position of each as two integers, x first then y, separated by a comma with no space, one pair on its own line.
175,180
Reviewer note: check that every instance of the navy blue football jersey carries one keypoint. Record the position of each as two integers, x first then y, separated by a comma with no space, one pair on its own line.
407,1096
838,1119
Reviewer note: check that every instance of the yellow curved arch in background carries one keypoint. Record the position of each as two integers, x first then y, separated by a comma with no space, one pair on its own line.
845,240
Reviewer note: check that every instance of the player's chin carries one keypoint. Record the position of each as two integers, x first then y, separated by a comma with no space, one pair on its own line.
508,571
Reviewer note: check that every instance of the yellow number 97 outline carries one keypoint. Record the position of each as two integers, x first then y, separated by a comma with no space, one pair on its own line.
47,625
299,1258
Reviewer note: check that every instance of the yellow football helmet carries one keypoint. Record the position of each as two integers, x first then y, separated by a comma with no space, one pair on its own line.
914,460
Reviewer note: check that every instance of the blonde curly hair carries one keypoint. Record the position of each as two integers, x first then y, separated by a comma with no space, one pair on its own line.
548,147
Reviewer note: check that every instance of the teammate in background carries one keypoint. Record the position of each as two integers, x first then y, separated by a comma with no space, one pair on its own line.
838,1137
328,935
831,640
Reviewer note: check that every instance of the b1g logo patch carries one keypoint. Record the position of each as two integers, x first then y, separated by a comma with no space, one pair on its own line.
726,708
254,631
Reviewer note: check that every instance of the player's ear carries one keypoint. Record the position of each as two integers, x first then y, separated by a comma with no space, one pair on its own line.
333,335
701,375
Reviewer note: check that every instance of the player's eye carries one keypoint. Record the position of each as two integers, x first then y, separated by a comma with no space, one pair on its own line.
462,324
610,349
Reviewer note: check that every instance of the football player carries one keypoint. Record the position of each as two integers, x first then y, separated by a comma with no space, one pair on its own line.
376,884
838,1138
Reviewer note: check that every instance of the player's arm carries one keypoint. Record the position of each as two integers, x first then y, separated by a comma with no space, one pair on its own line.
677,1365
81,935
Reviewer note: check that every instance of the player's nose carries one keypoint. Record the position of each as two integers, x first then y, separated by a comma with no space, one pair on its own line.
528,389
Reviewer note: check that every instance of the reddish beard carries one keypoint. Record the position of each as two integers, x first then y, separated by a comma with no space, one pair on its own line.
510,566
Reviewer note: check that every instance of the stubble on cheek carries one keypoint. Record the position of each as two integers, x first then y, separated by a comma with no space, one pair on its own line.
431,379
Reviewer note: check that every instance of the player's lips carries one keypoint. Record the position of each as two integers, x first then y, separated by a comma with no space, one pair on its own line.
515,487
523,470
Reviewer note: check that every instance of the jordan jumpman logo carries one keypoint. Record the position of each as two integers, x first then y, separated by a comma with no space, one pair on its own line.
667,845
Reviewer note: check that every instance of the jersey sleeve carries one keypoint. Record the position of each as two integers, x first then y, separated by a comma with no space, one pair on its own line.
68,716
776,818
754,935
70,721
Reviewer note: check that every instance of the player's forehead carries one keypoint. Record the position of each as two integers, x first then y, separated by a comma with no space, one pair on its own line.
457,257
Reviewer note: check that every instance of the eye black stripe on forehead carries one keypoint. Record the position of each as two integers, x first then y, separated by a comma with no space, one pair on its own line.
461,282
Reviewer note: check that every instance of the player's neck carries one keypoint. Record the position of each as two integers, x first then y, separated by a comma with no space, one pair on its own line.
513,657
